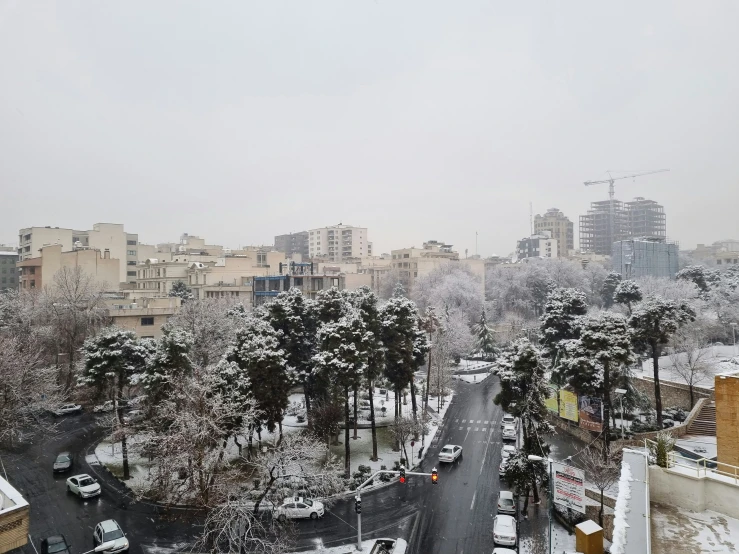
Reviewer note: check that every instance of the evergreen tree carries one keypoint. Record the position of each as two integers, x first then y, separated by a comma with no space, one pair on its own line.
331,305
561,322
701,276
653,323
609,288
627,293
484,339
169,362
342,361
181,290
113,360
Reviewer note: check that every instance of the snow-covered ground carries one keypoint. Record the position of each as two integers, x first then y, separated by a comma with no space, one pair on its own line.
472,365
717,359
473,379
345,549
679,531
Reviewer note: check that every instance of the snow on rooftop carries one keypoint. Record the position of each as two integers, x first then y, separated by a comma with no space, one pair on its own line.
589,527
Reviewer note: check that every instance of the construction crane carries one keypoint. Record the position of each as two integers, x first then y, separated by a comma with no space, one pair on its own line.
612,192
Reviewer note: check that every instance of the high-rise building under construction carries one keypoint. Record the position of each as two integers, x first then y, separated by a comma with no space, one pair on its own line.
603,225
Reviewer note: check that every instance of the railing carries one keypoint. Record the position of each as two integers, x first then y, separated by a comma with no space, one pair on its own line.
705,467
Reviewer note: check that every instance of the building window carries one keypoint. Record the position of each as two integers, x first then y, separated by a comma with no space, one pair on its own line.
131,242
298,281
317,284
130,263
274,285
131,252
32,271
131,273
147,321
148,337
33,284
406,255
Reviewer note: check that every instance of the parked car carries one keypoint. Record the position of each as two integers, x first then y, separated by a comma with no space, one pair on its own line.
450,452
107,531
299,508
507,450
55,544
503,466
504,530
509,433
508,419
506,505
389,546
133,416
67,409
83,486
63,462
503,551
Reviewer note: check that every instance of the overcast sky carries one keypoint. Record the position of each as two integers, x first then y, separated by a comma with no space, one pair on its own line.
237,121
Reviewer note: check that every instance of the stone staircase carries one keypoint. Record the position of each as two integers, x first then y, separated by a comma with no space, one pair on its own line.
705,422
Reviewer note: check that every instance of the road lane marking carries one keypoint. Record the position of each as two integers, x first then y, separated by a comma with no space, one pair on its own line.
478,421
456,421
484,429
486,422
461,428
473,500
468,432
477,429
464,421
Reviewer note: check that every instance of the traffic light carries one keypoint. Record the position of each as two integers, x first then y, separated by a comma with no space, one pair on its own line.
434,476
358,505
402,475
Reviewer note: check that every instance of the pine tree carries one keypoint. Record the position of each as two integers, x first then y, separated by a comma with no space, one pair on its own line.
609,288
653,323
181,290
484,339
169,362
627,293
561,322
113,360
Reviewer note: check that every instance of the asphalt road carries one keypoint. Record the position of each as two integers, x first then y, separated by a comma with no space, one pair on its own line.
54,511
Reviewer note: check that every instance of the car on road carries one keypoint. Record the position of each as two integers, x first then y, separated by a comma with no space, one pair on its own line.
63,462
508,419
299,508
133,416
503,467
507,451
83,486
107,531
506,505
503,551
509,433
389,546
56,544
67,409
504,530
450,453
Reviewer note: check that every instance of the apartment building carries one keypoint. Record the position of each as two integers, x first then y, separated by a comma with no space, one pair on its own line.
538,246
38,272
8,270
339,243
103,236
560,228
638,258
294,243
14,518
719,254
267,287
144,316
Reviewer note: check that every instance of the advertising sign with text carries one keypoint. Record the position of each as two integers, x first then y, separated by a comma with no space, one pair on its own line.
569,487
568,405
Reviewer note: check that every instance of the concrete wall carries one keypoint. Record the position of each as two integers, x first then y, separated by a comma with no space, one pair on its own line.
693,493
674,395
727,418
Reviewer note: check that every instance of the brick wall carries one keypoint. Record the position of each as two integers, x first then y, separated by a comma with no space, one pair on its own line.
727,418
674,395
13,529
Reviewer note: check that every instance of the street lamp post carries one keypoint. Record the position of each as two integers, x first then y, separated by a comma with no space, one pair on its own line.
733,331
534,458
102,547
621,393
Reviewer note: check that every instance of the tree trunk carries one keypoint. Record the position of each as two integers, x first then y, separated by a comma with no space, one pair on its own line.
251,443
397,413
526,500
692,401
372,420
600,513
657,392
271,482
606,409
413,401
237,443
279,424
347,449
428,384
306,391
535,490
356,394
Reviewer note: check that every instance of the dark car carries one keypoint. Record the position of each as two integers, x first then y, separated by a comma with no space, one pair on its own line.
63,462
56,544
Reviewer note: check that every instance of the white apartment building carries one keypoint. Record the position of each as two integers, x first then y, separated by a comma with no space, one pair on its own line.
339,243
103,236
537,246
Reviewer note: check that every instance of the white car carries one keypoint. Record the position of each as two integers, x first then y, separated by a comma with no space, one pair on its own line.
503,551
83,486
107,531
66,409
504,530
508,419
507,451
509,433
389,546
299,508
450,453
503,467
506,505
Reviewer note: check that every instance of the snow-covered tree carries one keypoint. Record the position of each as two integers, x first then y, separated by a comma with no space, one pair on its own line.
602,470
627,293
653,323
113,360
561,320
181,290
257,351
677,291
331,305
608,289
688,356
169,362
294,318
342,361
523,475
484,339
594,277
451,286
699,275
389,282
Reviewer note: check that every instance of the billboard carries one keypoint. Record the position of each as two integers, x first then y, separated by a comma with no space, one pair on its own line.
591,413
569,486
551,401
568,405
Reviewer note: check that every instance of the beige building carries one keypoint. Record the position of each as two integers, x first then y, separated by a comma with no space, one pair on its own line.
339,243
719,254
39,272
14,518
561,229
144,316
727,417
103,236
